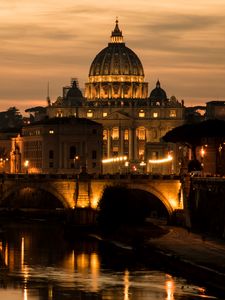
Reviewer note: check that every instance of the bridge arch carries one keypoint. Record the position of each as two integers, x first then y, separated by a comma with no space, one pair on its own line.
152,190
42,187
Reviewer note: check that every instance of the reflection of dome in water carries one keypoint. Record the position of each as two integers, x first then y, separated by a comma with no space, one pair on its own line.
116,72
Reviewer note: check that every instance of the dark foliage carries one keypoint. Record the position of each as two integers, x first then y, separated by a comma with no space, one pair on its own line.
192,134
194,165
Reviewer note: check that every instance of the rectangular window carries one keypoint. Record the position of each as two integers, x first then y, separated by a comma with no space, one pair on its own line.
155,115
115,133
141,133
141,114
173,113
51,165
51,154
105,135
94,154
126,134
105,114
115,151
90,114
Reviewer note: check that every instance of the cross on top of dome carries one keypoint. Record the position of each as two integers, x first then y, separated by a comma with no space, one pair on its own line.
117,36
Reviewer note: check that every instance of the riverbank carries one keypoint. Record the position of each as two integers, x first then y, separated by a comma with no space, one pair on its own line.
200,258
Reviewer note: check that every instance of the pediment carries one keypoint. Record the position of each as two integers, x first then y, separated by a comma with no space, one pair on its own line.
118,115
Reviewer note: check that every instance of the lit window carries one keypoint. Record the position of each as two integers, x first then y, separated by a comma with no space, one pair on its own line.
155,115
141,133
105,114
173,113
126,134
115,133
141,114
51,131
90,114
105,135
59,114
115,150
141,152
155,155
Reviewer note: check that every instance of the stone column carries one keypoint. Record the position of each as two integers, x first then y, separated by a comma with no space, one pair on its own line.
135,144
109,143
121,141
131,144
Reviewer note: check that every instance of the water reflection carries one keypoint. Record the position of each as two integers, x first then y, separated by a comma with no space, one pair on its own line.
170,288
42,265
126,285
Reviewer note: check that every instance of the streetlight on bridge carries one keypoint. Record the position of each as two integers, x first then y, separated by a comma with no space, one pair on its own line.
202,154
26,165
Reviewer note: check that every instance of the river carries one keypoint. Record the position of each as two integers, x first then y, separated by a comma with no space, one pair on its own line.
41,264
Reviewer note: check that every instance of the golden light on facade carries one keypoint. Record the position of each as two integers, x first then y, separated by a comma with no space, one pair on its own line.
161,161
202,152
26,163
94,202
114,159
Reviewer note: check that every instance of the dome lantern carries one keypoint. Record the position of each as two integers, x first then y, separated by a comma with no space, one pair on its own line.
117,36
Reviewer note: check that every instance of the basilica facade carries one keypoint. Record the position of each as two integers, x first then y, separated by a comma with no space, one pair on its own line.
134,120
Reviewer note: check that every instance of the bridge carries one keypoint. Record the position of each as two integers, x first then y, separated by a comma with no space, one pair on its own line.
71,191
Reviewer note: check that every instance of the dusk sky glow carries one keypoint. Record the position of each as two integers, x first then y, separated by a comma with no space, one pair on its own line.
180,43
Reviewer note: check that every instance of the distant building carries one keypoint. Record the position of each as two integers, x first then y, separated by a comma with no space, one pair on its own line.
58,145
6,136
116,95
215,110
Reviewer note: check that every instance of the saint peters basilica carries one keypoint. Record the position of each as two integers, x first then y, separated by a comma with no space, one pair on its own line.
134,119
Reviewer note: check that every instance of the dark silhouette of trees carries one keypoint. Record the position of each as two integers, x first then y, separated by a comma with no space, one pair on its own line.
11,118
192,135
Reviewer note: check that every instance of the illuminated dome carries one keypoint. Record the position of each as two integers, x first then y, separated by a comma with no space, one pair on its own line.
116,72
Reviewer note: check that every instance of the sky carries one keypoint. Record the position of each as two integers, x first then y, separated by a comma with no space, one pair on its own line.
179,42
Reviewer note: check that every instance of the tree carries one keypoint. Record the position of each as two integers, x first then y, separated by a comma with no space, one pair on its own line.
11,118
192,135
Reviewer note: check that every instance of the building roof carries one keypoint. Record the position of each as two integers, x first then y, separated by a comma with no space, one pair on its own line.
64,121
